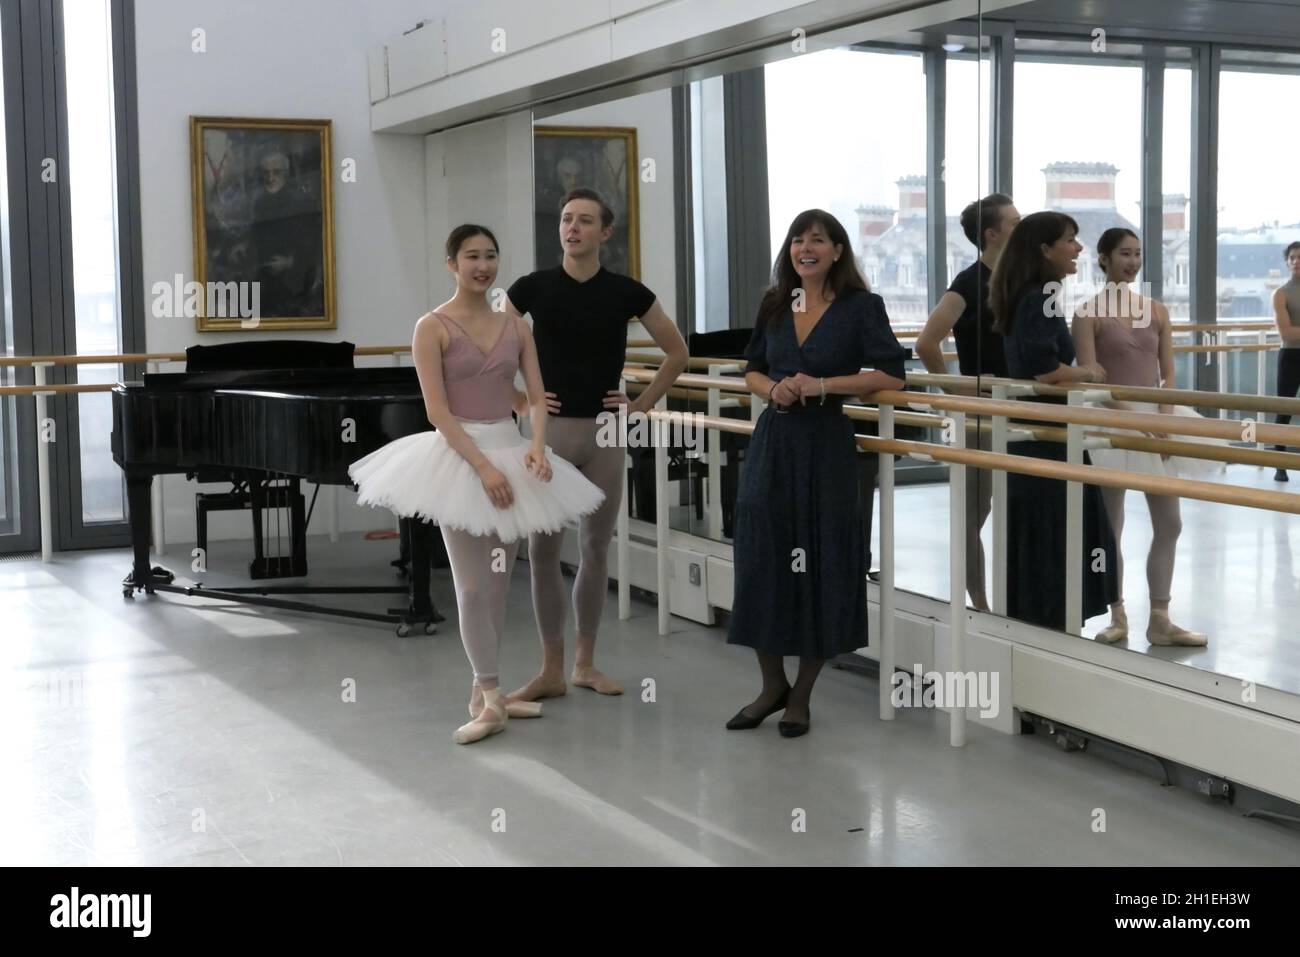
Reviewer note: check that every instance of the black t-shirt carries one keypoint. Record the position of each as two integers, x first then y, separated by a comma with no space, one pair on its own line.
979,348
581,332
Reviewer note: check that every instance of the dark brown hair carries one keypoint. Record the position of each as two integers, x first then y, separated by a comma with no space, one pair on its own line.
468,231
843,273
1286,254
983,214
1022,267
1111,239
584,192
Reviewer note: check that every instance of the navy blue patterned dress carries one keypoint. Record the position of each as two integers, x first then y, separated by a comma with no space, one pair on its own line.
1039,343
799,555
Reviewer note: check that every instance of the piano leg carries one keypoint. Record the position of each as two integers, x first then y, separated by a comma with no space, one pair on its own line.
139,506
420,607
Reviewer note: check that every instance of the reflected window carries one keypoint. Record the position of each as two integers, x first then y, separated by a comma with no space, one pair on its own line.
1090,168
866,169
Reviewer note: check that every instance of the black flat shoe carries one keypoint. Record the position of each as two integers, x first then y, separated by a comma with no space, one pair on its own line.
743,722
793,729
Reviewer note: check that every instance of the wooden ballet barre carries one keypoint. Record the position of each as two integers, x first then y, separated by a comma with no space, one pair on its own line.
93,360
47,389
1044,468
1079,415
1137,421
1223,400
1230,347
1228,454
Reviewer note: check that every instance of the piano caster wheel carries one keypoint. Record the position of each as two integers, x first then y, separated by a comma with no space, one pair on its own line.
403,629
430,628
128,592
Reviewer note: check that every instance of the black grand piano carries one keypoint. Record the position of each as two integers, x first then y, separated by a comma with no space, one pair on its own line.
307,422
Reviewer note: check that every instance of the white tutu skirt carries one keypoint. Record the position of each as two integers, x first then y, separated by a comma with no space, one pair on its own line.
1175,466
422,476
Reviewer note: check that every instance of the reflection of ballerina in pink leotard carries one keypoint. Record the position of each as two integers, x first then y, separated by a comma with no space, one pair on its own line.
1131,338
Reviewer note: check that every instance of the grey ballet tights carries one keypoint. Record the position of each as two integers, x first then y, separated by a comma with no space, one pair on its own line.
1166,525
574,440
481,575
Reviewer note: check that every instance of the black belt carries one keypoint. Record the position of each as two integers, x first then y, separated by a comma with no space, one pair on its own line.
813,405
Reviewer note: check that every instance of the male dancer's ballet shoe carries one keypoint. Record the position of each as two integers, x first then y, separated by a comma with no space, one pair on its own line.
1116,631
542,686
593,679
514,709
743,722
491,720
1162,631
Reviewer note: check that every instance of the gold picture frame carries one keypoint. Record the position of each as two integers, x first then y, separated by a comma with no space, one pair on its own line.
603,158
263,223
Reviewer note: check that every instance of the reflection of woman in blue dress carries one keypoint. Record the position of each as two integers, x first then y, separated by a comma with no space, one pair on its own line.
800,558
1024,294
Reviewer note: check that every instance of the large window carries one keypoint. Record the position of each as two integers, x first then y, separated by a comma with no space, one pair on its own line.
1259,212
966,142
1176,185
92,183
846,132
1078,149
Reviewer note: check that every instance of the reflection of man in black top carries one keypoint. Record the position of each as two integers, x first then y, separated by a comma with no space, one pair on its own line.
964,313
580,314
287,242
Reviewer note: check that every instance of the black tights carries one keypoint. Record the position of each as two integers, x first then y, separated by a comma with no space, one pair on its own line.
775,684
1288,383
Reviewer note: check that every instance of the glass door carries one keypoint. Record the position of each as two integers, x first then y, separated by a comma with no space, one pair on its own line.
69,260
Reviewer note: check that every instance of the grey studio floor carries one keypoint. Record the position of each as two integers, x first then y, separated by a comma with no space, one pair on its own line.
174,731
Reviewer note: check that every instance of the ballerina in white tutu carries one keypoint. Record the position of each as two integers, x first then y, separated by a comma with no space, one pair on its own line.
1130,337
477,477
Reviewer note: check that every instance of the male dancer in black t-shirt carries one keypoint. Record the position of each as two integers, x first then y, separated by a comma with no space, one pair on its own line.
964,312
580,315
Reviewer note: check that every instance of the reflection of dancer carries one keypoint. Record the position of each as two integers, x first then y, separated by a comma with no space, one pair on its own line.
800,559
1042,250
476,476
964,313
1286,313
1132,340
580,316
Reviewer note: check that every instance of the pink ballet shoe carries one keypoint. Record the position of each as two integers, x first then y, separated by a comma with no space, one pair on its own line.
514,709
1163,632
1116,631
491,720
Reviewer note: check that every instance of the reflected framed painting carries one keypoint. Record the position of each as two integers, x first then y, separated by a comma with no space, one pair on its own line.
263,221
602,158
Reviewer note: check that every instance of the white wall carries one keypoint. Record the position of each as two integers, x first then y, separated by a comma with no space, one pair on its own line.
291,59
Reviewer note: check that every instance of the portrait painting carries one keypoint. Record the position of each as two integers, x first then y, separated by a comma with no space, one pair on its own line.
603,159
263,223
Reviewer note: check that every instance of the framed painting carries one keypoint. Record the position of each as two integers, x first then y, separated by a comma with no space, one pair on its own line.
263,224
602,158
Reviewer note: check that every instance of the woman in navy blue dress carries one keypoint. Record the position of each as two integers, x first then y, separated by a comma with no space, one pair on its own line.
1024,294
800,558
